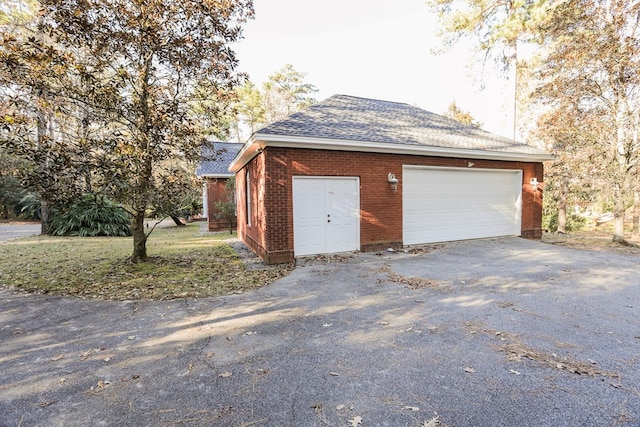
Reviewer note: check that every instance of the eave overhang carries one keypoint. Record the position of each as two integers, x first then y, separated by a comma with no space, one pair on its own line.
216,175
260,141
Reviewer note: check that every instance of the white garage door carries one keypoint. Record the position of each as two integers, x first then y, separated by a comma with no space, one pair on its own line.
326,215
444,204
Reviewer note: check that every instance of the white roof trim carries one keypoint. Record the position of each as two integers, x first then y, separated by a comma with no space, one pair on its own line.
259,141
217,175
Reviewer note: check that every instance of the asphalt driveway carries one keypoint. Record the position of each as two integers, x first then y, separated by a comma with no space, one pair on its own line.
499,332
13,231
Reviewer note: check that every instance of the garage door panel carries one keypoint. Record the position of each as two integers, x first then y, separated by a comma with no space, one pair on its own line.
442,204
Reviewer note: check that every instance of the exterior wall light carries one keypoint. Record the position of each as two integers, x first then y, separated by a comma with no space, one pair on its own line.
534,183
393,181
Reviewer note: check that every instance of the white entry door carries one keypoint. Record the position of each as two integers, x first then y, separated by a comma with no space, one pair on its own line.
443,204
326,215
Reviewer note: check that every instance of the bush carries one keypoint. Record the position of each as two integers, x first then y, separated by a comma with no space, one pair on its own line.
91,216
574,222
225,209
30,206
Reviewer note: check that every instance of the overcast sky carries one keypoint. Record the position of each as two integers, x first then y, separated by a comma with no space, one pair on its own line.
373,49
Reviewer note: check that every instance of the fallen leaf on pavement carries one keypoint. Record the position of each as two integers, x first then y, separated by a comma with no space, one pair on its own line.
433,422
103,384
355,421
85,355
43,403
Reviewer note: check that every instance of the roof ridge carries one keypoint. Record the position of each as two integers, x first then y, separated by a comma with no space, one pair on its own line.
368,99
363,98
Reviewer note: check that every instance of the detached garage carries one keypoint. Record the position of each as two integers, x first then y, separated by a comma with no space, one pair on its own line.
355,174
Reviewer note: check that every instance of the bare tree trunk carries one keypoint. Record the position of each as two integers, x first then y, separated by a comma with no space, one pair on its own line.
139,238
41,135
45,217
86,172
141,200
636,212
618,216
562,205
177,220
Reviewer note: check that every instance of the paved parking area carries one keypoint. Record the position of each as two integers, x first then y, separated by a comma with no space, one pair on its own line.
13,231
498,332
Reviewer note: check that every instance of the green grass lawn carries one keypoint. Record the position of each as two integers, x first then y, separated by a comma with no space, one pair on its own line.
183,263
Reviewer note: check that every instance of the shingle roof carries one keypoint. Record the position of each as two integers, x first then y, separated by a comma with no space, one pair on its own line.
217,158
343,117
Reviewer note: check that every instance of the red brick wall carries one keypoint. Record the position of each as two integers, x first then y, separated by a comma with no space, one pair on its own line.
254,231
271,236
241,200
532,202
216,192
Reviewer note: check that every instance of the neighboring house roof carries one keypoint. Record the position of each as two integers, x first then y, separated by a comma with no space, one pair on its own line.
216,159
350,123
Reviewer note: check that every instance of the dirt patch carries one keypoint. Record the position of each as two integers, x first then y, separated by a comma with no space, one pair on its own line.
593,240
517,351
419,250
408,282
324,259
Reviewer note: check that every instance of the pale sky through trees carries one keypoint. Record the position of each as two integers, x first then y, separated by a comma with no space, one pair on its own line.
374,49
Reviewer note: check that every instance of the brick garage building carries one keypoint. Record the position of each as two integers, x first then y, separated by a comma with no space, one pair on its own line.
214,171
360,174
